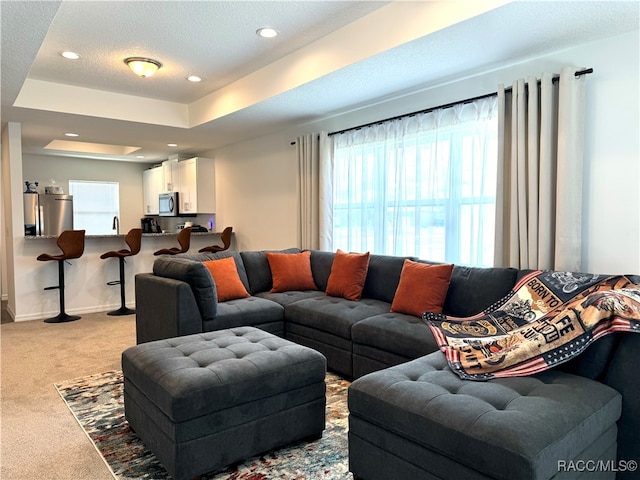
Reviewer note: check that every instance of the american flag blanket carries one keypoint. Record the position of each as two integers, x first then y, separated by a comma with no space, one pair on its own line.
547,319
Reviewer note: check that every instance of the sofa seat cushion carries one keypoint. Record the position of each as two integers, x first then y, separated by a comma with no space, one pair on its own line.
286,298
504,428
398,333
250,311
333,314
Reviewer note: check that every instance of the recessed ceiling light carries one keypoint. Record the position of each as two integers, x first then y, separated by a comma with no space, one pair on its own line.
172,144
70,55
267,32
69,134
194,78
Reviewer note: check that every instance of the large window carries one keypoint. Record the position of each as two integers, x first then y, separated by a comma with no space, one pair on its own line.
422,186
95,204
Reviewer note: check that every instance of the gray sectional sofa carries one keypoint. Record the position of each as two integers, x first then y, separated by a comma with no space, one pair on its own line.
410,415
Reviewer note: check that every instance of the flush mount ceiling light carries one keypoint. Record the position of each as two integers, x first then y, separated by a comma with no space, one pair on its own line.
145,67
194,78
267,32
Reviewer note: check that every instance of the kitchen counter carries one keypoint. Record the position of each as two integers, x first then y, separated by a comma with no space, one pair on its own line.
122,235
87,277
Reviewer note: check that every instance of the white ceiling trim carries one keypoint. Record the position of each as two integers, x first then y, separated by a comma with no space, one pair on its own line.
57,97
322,57
88,147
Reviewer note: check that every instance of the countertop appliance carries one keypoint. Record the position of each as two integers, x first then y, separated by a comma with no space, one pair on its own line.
168,204
150,225
47,214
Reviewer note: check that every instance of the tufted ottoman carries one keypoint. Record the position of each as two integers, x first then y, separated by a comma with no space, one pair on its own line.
420,420
204,401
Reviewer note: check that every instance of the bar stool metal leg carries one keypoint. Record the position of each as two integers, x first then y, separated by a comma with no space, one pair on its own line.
62,316
123,310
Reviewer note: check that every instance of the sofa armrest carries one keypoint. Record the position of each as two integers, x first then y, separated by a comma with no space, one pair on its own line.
165,308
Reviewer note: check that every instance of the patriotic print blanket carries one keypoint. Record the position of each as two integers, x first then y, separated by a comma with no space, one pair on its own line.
547,319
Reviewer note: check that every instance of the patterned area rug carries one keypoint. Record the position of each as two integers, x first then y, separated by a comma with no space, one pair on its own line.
97,403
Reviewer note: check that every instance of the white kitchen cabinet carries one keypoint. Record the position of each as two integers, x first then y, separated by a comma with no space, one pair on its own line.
171,178
197,185
152,183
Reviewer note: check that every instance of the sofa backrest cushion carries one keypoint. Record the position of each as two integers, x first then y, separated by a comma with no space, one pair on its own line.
196,275
383,274
473,289
383,277
321,263
258,271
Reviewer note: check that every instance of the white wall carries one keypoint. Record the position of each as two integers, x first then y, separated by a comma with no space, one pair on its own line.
256,180
42,168
256,192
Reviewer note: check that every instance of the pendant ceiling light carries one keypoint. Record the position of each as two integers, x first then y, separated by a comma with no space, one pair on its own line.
145,67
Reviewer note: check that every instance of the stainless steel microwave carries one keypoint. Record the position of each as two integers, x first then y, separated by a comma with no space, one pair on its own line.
168,204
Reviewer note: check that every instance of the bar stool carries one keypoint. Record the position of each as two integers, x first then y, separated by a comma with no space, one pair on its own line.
71,242
133,240
184,239
225,236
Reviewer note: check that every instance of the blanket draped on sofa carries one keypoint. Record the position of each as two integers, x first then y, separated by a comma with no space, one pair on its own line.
547,319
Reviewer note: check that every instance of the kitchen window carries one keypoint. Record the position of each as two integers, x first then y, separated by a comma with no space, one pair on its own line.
95,205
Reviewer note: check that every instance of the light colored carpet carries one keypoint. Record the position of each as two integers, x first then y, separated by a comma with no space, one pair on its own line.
40,438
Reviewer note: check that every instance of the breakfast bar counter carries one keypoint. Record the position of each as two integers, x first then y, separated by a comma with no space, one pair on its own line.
86,277
122,235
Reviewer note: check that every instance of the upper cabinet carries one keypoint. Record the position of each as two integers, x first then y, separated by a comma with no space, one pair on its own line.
193,179
152,181
197,185
171,179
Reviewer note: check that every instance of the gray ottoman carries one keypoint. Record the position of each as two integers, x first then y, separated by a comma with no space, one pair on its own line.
420,420
202,402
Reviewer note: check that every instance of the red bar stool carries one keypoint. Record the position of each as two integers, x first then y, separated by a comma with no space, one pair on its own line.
71,242
133,240
225,236
184,239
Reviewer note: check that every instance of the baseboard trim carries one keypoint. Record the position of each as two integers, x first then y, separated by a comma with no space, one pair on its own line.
70,311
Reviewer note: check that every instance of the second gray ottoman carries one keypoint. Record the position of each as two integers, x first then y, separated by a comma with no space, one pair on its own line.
202,402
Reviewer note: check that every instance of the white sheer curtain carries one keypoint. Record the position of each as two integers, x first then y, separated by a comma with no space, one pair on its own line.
311,149
539,195
422,185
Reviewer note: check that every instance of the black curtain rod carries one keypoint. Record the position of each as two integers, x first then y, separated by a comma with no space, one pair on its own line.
579,73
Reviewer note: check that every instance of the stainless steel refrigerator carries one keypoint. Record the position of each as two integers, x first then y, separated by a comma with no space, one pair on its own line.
47,214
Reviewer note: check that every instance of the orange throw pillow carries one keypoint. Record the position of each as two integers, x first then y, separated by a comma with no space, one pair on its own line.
225,275
348,273
422,288
291,271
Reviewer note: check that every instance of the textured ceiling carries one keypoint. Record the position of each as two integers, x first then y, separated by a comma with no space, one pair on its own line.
214,40
330,57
